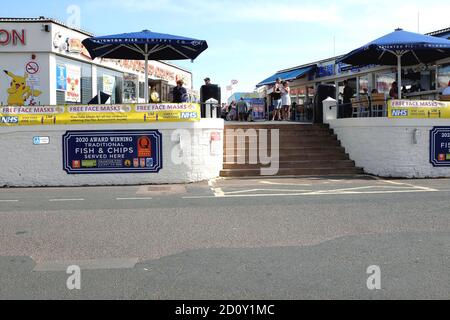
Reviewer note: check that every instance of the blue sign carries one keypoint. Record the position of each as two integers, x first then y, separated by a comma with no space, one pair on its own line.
61,77
258,108
325,71
115,151
440,147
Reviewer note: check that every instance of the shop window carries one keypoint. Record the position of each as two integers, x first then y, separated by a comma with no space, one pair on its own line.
384,82
443,76
86,89
363,85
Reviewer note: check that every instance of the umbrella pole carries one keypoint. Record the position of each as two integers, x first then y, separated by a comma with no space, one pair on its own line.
399,71
146,80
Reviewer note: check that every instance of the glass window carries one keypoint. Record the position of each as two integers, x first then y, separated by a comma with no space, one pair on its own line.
364,84
130,88
384,82
110,82
85,79
443,76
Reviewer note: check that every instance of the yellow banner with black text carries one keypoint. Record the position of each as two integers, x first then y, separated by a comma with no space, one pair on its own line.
99,114
418,109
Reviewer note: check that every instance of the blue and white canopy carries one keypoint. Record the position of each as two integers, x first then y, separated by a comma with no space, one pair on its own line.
287,75
137,45
145,45
414,48
400,48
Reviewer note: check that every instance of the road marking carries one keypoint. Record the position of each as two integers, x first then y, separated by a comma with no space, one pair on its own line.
9,200
94,264
140,198
403,184
285,184
313,193
218,192
64,200
255,190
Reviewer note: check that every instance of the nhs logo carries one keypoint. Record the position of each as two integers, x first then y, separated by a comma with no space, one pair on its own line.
9,120
399,113
188,115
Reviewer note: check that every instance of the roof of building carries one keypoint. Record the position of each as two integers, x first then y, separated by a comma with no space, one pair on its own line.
45,20
444,33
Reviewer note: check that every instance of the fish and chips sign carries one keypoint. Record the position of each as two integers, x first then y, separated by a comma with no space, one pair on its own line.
99,114
418,109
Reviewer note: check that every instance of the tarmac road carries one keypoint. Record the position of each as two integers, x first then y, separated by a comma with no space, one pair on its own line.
290,238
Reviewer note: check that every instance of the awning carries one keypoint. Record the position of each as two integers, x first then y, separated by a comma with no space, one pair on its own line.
287,75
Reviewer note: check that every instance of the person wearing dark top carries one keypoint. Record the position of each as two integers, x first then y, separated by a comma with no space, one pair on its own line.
276,98
393,93
179,93
208,91
348,92
347,99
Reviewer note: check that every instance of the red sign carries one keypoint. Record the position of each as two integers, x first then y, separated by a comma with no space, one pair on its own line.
215,136
76,164
14,36
144,147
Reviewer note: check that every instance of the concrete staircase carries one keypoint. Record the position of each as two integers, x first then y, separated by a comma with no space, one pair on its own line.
304,149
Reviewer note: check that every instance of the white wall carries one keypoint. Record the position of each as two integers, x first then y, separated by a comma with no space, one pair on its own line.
385,147
36,40
24,164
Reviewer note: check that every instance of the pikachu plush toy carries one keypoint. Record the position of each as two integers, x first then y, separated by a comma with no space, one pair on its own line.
19,92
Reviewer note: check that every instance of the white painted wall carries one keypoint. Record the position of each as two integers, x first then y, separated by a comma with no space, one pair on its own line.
24,164
385,147
36,39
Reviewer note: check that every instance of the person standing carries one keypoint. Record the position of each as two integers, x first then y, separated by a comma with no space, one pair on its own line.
276,97
242,109
179,92
208,91
393,93
347,99
232,114
286,101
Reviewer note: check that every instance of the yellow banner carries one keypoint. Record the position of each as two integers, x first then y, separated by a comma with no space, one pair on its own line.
99,114
418,109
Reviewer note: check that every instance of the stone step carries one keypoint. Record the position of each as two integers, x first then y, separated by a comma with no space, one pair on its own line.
294,150
275,125
327,141
309,156
294,164
301,137
292,172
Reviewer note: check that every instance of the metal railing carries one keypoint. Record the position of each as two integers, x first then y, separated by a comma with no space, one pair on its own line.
210,110
364,109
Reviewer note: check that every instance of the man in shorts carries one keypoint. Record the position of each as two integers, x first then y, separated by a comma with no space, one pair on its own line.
242,110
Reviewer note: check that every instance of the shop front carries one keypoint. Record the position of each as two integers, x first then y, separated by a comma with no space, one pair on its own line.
55,138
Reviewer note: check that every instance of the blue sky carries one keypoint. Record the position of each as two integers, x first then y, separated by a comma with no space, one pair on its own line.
249,40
